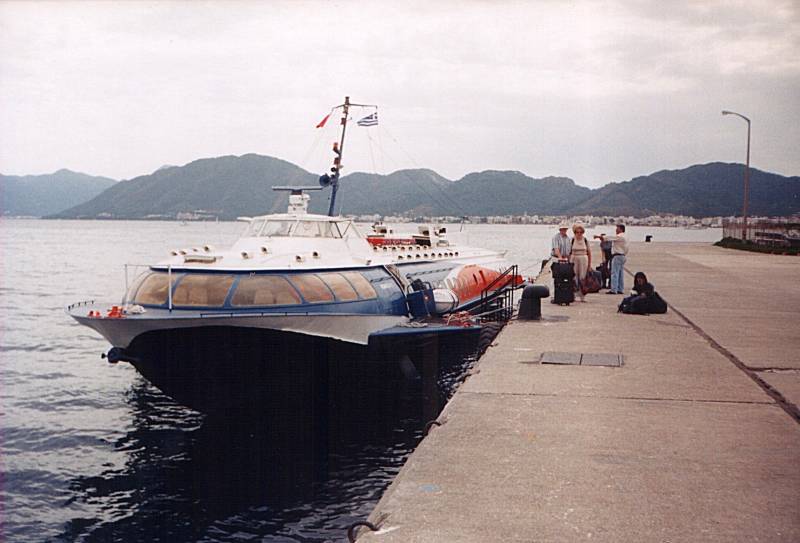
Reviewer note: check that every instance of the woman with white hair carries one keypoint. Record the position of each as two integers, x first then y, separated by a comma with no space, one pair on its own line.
580,256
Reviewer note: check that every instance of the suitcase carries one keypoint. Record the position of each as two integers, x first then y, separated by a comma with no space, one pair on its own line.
605,274
563,282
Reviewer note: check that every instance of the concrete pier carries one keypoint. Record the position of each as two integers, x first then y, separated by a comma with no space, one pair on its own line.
696,437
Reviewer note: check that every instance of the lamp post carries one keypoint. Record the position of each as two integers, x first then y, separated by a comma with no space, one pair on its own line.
746,173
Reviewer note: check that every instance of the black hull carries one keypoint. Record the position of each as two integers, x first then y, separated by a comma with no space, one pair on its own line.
219,369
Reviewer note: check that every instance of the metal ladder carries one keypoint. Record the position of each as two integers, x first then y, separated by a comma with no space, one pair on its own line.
497,302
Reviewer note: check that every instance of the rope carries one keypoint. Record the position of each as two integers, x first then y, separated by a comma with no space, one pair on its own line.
462,318
315,143
371,154
430,425
460,210
312,149
353,528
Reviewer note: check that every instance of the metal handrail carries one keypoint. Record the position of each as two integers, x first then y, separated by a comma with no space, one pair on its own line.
512,270
504,293
79,304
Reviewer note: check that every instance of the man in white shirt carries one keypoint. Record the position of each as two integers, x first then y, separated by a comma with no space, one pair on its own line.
619,252
561,246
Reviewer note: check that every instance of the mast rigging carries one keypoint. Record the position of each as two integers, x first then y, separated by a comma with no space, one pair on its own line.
332,179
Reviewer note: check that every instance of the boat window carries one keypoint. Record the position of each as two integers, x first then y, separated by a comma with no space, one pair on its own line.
361,284
264,290
312,229
197,289
346,230
301,229
130,295
312,288
254,228
340,287
153,290
316,229
277,228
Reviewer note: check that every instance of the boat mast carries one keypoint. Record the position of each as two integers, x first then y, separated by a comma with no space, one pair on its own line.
338,148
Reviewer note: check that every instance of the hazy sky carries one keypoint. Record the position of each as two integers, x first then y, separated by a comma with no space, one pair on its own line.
595,91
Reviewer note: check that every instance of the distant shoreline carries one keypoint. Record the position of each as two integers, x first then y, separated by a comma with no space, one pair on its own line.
500,220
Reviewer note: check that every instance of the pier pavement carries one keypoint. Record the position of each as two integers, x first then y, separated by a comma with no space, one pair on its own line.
694,438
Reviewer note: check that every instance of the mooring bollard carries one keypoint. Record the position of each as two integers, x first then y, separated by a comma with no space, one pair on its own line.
530,306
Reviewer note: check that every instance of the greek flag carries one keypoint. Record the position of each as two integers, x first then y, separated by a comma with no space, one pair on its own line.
369,120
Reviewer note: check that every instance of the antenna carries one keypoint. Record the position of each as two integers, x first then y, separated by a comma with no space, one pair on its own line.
332,179
338,149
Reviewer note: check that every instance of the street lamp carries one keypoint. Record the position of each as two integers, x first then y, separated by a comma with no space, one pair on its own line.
746,172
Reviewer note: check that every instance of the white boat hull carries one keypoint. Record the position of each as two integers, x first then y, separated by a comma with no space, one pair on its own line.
351,328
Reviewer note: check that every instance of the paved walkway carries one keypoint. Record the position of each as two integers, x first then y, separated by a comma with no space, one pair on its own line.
682,443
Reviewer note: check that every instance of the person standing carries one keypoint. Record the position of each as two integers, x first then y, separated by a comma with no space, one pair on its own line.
561,247
580,256
619,253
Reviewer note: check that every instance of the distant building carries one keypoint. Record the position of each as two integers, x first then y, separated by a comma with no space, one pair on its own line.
774,232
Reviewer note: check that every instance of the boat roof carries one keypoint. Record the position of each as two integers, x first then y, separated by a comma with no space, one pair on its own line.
294,247
296,216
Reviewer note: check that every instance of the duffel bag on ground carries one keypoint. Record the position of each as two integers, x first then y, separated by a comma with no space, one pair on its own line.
592,282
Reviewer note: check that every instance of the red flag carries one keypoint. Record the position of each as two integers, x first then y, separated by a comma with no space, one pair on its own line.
323,121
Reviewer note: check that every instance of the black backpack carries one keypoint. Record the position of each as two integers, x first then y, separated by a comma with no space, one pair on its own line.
643,305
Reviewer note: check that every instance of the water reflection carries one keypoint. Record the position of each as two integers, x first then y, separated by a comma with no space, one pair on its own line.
297,471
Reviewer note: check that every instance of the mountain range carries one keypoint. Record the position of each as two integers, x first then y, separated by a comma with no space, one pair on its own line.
38,195
232,186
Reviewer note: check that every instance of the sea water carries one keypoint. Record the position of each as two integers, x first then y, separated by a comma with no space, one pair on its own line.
92,452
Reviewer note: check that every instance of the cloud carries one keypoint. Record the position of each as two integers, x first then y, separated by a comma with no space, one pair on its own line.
595,90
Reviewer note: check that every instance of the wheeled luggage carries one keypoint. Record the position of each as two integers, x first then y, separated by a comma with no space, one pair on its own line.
563,282
604,270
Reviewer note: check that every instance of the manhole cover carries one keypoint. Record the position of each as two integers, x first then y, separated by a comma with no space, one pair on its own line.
572,359
582,359
601,359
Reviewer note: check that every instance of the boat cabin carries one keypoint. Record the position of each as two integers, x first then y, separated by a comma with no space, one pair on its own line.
180,289
306,226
